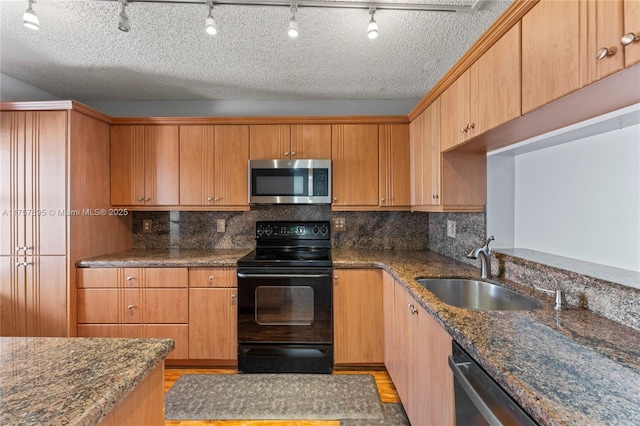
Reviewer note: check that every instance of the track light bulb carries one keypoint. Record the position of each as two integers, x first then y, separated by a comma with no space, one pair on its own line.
123,19
209,22
292,28
372,28
29,19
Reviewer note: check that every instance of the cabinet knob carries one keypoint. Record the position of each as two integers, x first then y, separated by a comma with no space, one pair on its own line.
605,52
335,277
216,199
129,278
293,153
233,296
140,198
129,307
24,263
286,153
335,199
211,277
463,130
382,200
147,199
435,196
209,198
629,38
471,126
25,248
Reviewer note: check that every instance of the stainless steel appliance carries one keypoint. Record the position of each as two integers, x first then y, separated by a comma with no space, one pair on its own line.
285,300
479,399
290,181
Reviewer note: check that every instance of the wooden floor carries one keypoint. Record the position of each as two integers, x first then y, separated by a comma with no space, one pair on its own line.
383,381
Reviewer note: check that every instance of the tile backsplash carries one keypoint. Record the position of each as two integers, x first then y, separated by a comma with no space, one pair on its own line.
197,230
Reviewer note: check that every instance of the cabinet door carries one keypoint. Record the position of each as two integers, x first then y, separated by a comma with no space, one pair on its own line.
354,151
32,186
161,165
197,146
402,349
165,305
269,141
358,326
495,84
632,25
33,296
100,306
127,165
455,121
607,23
552,48
231,166
178,332
391,361
213,323
394,173
310,141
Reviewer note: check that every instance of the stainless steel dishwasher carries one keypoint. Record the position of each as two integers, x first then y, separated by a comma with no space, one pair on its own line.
479,399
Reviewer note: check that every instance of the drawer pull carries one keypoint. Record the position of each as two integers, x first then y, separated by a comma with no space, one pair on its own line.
211,277
130,307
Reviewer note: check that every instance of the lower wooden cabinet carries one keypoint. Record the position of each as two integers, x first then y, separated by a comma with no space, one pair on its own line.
358,327
213,314
416,356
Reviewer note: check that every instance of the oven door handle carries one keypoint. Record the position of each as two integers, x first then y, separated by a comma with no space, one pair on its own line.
472,393
243,275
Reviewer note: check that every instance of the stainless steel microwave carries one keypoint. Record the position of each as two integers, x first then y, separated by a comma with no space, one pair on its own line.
290,181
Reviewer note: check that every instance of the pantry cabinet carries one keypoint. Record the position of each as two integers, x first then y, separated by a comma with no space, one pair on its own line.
354,152
417,357
135,302
214,166
485,95
393,151
358,326
213,314
144,165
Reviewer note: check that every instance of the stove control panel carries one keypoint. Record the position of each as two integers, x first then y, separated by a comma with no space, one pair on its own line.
276,230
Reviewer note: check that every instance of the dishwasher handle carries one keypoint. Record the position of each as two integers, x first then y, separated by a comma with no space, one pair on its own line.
473,394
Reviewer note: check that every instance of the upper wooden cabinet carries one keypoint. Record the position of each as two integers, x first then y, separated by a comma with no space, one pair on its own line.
33,183
631,31
486,95
213,165
553,43
354,151
310,141
394,173
425,158
605,28
291,142
144,165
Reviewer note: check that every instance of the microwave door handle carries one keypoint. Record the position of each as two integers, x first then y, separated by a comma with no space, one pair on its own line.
243,275
472,393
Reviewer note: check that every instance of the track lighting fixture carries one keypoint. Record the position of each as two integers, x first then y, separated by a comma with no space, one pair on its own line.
123,19
30,19
372,28
210,23
292,29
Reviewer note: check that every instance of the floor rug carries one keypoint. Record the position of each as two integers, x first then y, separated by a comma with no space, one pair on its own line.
273,397
393,413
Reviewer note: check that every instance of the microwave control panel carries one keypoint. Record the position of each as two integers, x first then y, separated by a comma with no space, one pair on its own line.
321,182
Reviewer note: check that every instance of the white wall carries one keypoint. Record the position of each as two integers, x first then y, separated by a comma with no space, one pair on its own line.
12,89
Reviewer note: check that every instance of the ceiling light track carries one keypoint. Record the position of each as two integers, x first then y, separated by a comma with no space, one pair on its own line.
339,4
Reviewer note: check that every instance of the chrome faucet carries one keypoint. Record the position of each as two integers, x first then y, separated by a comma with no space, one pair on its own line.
485,258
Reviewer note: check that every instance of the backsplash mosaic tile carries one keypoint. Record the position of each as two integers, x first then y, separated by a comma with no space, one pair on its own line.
197,230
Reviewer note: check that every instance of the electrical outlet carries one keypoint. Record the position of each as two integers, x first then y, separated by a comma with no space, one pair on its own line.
147,226
339,224
221,225
451,228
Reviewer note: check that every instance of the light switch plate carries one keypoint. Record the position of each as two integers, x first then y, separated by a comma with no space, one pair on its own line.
339,224
451,228
147,226
221,225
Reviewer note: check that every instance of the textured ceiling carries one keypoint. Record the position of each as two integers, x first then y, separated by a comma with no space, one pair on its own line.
79,53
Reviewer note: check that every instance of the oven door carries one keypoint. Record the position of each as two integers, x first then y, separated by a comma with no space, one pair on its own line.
285,320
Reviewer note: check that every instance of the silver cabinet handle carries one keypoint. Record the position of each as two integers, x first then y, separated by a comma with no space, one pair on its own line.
216,199
382,200
293,153
130,307
147,198
335,198
629,38
24,263
286,153
435,196
463,130
211,277
25,248
209,198
129,278
233,296
605,52
471,126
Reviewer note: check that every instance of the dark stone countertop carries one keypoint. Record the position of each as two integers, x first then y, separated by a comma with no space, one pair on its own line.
565,368
71,381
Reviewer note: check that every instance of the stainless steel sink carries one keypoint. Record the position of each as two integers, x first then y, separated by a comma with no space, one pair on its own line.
477,295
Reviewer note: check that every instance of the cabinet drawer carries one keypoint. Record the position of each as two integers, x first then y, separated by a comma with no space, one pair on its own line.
97,278
166,306
213,277
166,277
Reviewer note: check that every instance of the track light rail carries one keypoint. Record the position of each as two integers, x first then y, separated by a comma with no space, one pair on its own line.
339,4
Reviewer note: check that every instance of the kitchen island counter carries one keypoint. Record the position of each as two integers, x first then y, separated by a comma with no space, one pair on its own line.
72,381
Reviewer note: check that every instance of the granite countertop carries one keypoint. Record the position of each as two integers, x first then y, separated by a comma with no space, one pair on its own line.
171,258
565,368
71,381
